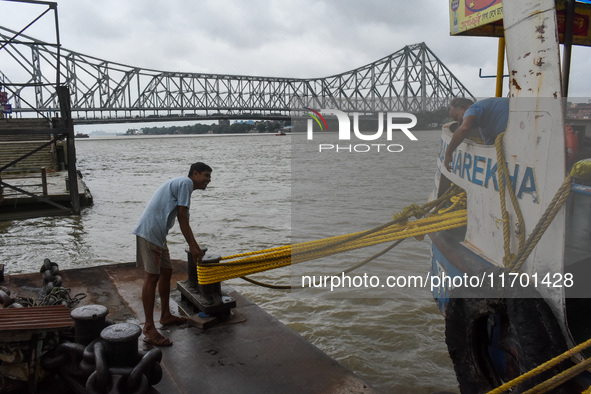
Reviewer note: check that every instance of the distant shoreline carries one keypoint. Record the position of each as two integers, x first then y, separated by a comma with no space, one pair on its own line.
149,136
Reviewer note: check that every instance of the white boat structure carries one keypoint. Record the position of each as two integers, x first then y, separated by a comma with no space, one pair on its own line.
517,291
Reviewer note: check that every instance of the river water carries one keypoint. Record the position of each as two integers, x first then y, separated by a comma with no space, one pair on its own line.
267,191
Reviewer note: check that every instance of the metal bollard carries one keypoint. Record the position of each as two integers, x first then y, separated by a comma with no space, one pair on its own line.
89,321
121,345
207,298
192,267
205,290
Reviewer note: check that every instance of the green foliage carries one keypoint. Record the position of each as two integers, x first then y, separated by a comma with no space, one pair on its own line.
432,120
198,128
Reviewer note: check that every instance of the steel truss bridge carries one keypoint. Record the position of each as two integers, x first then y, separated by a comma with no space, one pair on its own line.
413,79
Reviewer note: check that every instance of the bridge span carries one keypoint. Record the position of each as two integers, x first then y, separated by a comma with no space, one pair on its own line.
412,79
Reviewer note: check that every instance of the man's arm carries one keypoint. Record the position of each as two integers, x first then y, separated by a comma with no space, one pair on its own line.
183,217
459,135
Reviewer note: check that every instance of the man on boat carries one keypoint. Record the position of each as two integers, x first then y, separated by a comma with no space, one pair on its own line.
491,115
170,201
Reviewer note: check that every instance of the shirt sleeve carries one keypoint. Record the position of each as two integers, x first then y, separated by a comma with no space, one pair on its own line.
184,196
474,110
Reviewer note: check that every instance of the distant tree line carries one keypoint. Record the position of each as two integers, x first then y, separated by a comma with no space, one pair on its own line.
434,119
425,120
198,128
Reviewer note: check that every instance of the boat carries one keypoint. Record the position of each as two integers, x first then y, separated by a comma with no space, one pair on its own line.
82,135
512,283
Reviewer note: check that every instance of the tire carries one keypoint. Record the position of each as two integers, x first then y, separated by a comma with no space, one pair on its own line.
494,339
465,325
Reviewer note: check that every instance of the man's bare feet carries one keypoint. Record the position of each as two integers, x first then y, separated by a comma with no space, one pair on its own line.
153,337
172,319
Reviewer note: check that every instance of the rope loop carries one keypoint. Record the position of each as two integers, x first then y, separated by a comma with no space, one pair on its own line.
514,262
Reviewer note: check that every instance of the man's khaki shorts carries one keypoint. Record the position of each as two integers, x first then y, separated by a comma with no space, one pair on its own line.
152,257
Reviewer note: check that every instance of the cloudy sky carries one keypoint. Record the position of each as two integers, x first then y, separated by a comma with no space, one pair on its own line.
286,38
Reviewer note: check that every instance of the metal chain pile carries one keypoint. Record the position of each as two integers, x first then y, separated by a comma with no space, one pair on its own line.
54,292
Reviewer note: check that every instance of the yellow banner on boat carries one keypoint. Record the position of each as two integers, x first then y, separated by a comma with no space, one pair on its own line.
476,16
485,18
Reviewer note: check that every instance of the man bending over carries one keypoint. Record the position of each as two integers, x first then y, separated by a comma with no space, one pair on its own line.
171,200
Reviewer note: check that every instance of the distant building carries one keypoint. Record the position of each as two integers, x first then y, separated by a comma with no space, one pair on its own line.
579,111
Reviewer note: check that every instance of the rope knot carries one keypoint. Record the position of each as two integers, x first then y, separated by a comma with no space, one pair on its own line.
412,210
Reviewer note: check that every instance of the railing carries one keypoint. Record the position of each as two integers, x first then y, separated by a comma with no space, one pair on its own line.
20,178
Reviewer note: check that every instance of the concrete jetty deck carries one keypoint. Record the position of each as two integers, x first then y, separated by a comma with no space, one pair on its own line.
252,353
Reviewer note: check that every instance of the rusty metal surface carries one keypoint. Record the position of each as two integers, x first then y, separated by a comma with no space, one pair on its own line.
35,318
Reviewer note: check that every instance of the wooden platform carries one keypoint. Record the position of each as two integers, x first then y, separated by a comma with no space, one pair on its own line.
14,205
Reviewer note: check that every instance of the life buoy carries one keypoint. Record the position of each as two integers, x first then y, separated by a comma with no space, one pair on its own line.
495,339
572,145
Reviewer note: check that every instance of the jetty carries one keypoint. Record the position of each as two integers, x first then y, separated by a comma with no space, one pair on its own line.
38,175
251,352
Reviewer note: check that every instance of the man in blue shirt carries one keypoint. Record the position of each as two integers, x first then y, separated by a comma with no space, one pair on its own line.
491,115
171,200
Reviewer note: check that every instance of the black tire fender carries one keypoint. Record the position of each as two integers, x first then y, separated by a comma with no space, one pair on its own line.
530,333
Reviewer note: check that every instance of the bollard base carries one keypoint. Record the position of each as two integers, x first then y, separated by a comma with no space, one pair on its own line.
205,298
216,305
196,319
202,323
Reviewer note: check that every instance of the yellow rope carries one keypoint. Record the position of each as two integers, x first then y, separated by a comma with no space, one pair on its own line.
505,182
551,211
513,262
561,378
454,216
458,201
294,254
242,264
542,368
